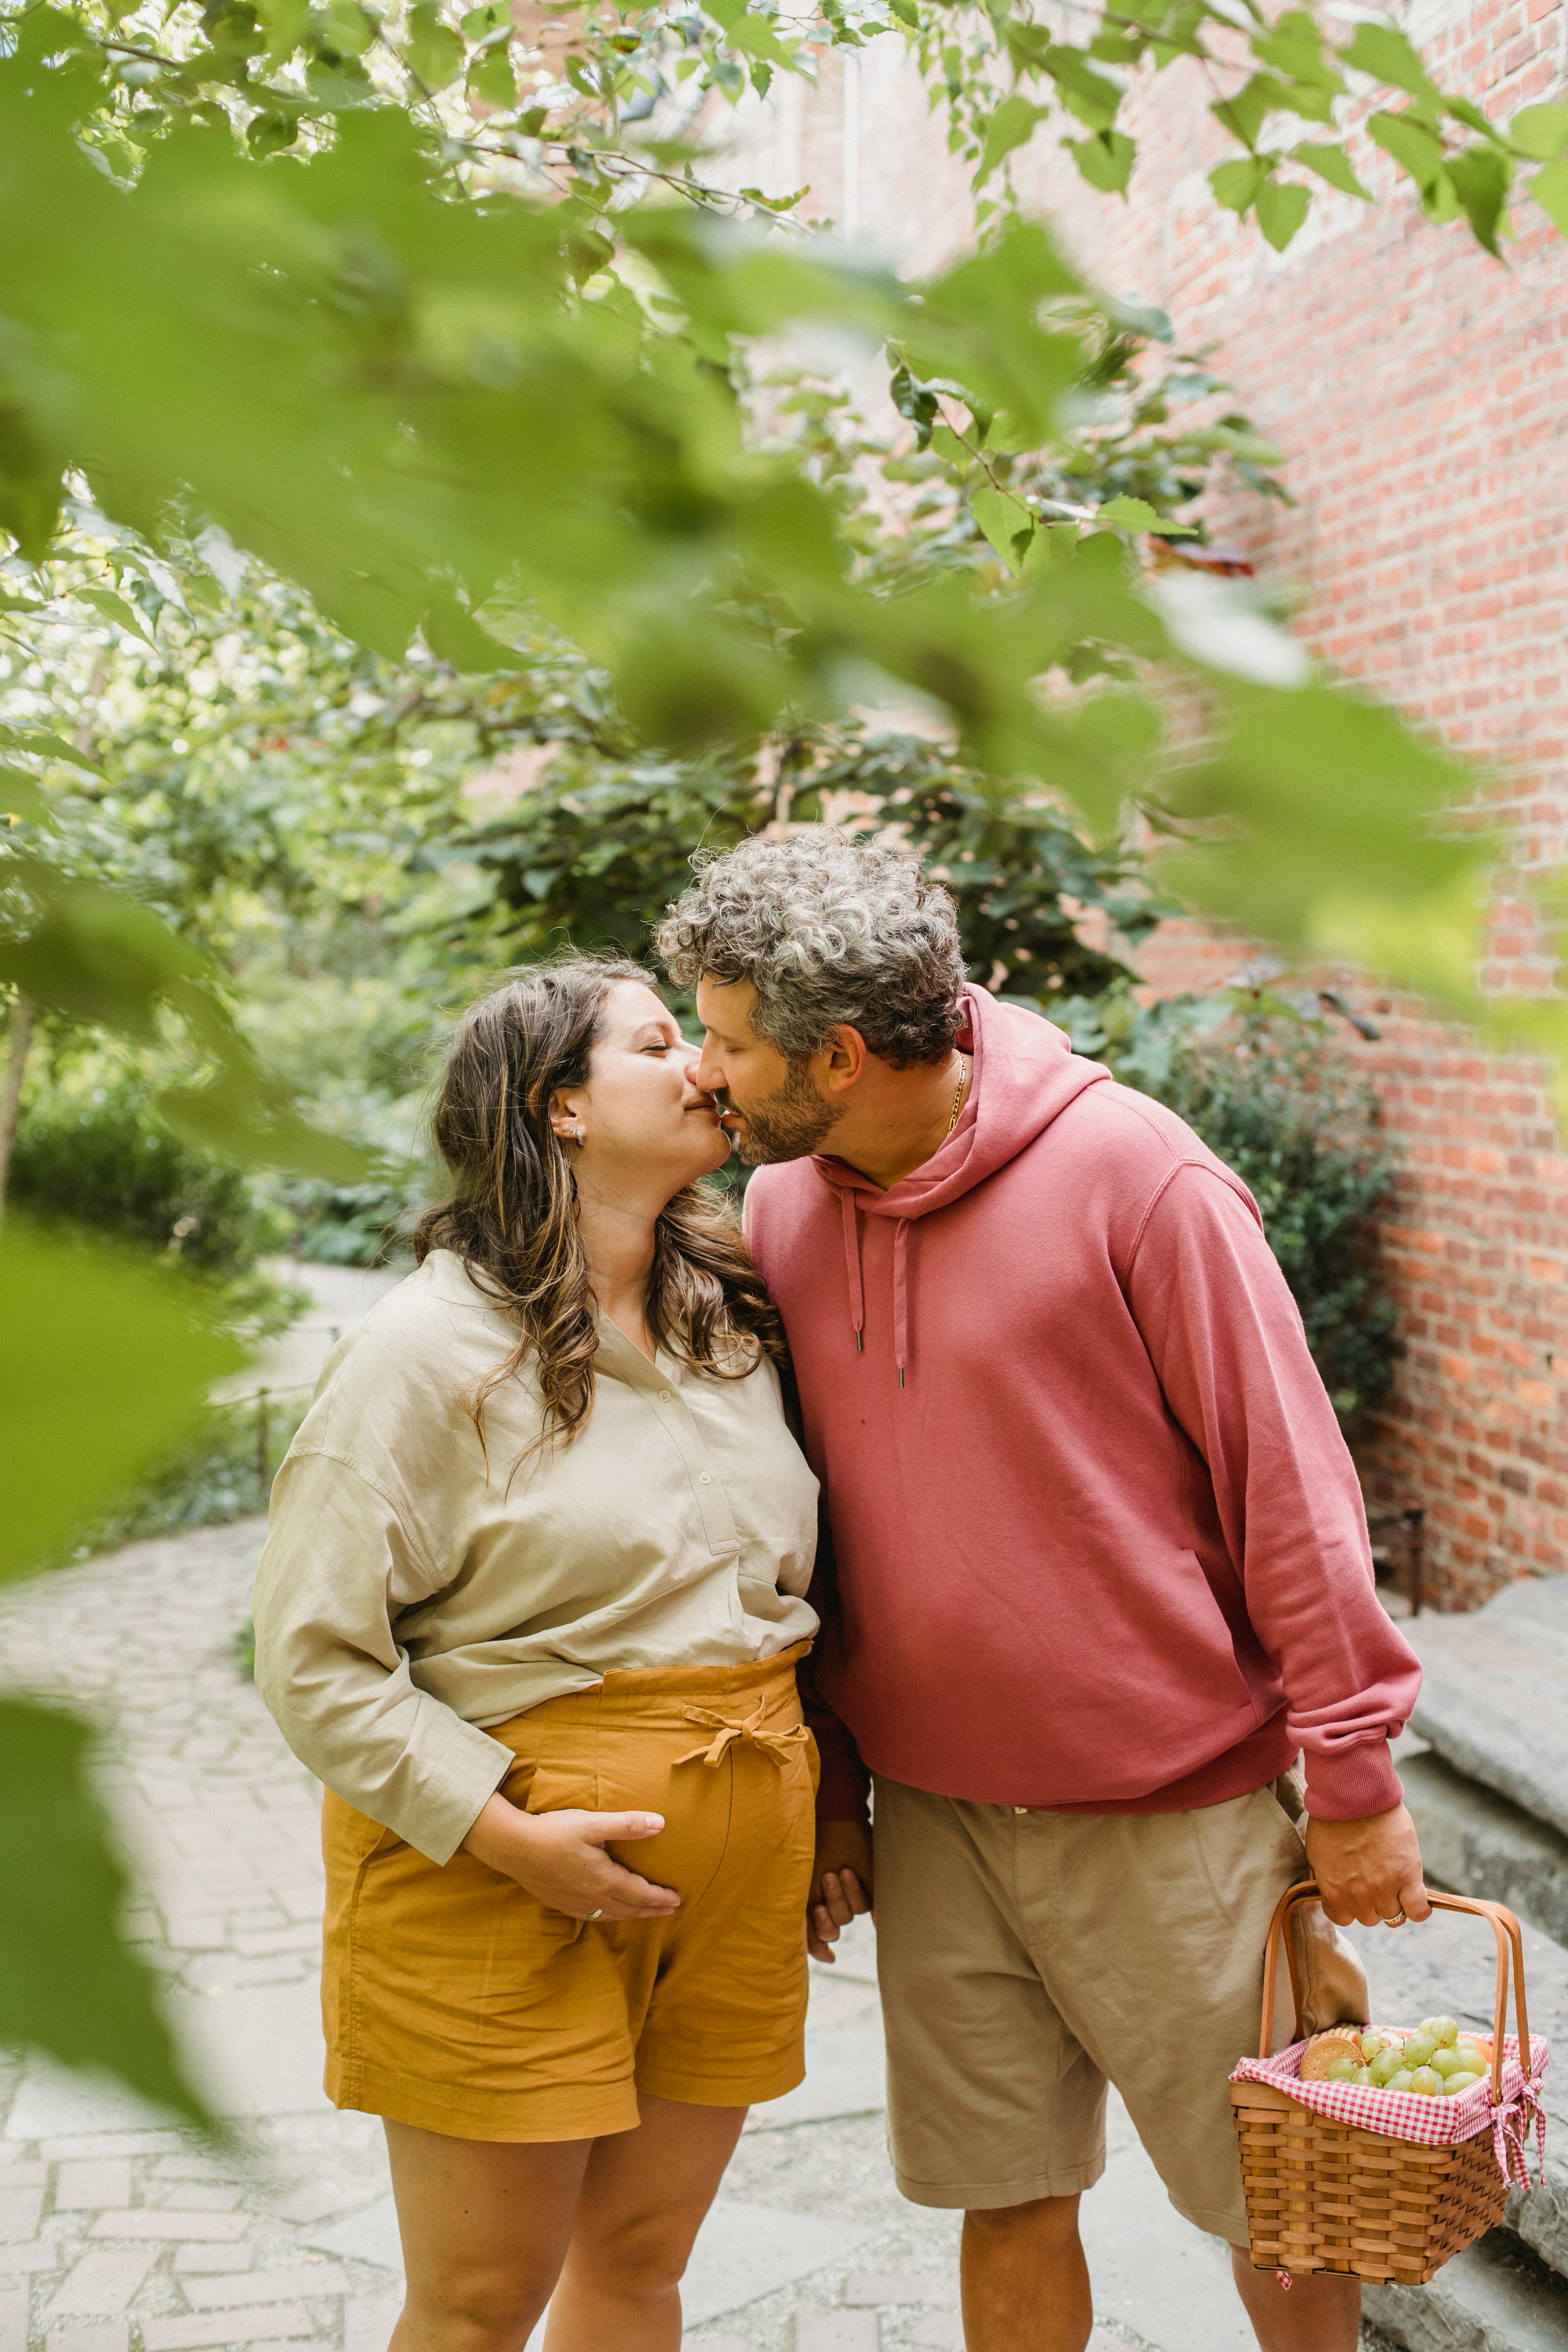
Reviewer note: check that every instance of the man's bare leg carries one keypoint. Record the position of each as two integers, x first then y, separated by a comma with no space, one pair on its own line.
1320,2311
1025,2283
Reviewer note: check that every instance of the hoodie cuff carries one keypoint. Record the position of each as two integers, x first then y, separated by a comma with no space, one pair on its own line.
1352,1784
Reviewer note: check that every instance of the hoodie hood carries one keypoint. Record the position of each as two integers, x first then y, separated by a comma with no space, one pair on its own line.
1025,1074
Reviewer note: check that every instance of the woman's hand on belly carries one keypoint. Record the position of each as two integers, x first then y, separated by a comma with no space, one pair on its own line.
560,1859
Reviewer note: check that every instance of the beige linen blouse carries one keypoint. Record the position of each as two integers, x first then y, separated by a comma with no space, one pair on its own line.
411,1591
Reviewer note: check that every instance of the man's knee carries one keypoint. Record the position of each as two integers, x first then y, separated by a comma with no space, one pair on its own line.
1042,2220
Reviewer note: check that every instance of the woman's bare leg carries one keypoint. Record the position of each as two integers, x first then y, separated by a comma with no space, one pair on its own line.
643,2198
485,2227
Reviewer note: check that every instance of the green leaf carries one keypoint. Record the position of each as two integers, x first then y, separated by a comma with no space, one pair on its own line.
104,1361
1281,208
1550,189
1011,125
1540,132
119,610
432,50
754,37
1331,803
1129,514
1006,522
1388,57
1419,151
283,21
1095,100
1332,163
1245,114
1105,161
1135,514
243,1117
1293,46
348,29
490,77
1236,184
67,1985
97,956
1481,178
20,797
48,746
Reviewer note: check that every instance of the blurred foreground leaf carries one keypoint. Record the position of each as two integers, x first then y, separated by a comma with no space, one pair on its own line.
104,1361
67,1985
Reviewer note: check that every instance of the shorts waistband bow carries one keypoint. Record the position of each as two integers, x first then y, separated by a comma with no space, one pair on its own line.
775,1744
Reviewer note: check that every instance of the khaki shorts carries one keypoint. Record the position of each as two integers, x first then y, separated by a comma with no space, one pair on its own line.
1026,1959
453,1999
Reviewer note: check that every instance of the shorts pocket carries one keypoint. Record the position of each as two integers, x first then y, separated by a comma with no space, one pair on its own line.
556,1788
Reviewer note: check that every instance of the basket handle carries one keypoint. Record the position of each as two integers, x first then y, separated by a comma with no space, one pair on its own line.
1504,1927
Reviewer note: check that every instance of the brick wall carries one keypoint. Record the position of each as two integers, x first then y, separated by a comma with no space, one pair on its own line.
1418,391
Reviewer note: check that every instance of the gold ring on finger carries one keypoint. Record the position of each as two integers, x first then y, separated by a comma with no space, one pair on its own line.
1398,1920
600,1913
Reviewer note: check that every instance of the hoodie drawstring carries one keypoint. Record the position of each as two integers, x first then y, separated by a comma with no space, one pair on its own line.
901,1296
851,1209
852,1264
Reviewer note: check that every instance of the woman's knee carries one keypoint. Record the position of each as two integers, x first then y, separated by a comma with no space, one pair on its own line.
487,2310
642,2256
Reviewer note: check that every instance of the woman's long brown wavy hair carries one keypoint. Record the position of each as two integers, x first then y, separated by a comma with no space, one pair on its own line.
513,1217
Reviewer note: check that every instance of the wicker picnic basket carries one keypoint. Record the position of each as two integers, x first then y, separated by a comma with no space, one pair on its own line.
1328,2195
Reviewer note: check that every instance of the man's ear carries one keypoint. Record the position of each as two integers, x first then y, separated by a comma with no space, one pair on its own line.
842,1059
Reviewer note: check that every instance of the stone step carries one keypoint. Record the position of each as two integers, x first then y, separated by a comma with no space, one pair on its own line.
1492,1690
1447,1966
1474,1841
1494,2297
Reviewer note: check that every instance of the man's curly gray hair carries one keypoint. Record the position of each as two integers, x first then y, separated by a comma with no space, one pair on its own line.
827,930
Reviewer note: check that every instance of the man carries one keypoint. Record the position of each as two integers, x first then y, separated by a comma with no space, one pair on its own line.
1102,1572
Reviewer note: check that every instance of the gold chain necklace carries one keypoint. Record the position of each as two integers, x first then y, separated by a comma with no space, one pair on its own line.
957,1097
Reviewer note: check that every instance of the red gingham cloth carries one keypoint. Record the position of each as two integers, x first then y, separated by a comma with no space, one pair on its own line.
1435,2122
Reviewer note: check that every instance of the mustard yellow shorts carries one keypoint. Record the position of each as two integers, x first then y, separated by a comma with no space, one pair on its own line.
453,1999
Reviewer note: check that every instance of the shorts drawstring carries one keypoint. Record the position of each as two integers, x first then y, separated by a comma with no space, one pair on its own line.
775,1744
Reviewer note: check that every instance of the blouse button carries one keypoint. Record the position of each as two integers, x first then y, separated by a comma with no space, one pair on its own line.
665,1397
704,1477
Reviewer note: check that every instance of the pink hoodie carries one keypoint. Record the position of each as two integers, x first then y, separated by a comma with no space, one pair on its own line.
1100,1546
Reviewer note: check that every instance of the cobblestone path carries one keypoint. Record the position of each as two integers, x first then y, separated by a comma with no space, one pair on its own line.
118,2234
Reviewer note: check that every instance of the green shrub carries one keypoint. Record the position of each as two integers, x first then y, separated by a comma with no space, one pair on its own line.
350,1225
220,1473
106,1162
1262,1085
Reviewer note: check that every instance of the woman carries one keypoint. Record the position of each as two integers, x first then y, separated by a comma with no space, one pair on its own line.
531,1606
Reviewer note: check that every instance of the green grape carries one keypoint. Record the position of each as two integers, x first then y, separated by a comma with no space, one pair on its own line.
1470,2053
1444,2031
1456,2083
1418,2049
1373,2045
1363,2076
1399,2082
1448,2061
1385,2065
1344,2070
1425,2082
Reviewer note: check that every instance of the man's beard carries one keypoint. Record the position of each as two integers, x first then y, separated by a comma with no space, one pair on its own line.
786,1125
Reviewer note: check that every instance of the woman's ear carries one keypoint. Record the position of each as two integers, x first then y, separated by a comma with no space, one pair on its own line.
566,1116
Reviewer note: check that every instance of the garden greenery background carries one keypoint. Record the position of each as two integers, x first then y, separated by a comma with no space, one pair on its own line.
430,507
